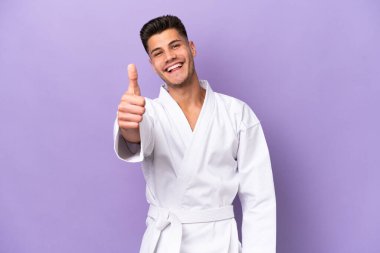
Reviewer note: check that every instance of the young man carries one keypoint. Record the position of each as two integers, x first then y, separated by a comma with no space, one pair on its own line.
199,149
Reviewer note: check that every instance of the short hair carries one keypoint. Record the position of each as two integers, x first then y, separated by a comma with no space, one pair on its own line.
160,24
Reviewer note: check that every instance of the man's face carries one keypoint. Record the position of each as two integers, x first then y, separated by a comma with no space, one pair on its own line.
172,57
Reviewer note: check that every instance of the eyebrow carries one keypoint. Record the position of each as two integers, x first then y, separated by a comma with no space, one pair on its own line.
171,43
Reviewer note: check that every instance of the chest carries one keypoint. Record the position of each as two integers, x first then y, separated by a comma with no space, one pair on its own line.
192,116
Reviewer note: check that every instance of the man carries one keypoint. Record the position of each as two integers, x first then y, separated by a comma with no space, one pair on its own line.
199,149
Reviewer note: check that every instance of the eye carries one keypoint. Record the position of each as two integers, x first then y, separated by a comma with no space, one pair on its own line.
157,54
175,46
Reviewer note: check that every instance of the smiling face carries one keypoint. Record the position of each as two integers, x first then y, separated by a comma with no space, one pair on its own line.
172,57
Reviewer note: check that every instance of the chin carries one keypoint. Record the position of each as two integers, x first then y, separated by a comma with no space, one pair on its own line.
175,81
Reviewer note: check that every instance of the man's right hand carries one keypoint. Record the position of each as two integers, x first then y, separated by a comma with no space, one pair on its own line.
131,108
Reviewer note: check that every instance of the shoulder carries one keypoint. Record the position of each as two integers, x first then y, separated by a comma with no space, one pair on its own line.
243,113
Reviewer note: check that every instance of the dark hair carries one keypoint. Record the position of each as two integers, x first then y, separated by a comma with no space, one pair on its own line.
160,24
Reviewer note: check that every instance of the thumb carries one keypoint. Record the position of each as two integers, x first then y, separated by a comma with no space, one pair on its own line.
133,87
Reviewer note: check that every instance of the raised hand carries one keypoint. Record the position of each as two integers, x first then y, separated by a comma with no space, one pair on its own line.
131,108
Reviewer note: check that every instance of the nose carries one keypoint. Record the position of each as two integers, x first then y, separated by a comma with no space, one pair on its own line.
170,55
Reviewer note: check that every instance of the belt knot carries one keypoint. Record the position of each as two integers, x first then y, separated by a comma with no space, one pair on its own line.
163,219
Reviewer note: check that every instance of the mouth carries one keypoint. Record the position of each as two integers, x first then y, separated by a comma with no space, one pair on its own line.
174,67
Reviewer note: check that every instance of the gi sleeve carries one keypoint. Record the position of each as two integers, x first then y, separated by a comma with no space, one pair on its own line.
136,152
256,189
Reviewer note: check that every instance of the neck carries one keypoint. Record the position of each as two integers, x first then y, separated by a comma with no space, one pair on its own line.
189,94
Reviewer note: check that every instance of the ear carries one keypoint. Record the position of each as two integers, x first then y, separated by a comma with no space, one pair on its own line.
192,48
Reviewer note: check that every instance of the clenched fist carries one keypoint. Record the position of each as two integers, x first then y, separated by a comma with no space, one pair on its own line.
131,108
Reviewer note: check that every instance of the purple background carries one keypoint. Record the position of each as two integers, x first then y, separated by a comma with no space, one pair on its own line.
309,69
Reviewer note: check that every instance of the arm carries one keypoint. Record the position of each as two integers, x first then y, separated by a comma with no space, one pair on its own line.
256,191
133,128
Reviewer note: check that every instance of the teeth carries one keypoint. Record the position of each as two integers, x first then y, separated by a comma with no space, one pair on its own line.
174,66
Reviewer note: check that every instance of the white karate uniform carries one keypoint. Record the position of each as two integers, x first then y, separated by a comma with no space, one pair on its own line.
192,177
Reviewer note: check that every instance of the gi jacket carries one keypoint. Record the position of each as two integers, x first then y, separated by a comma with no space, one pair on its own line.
192,177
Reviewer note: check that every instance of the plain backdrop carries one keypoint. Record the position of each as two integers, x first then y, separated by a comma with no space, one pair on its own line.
309,70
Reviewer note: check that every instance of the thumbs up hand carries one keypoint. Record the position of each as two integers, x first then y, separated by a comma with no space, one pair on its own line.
131,108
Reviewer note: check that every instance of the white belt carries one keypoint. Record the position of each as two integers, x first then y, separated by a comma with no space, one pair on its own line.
175,218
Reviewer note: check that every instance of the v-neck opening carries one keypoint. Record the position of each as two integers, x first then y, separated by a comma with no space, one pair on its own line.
178,116
182,113
199,115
